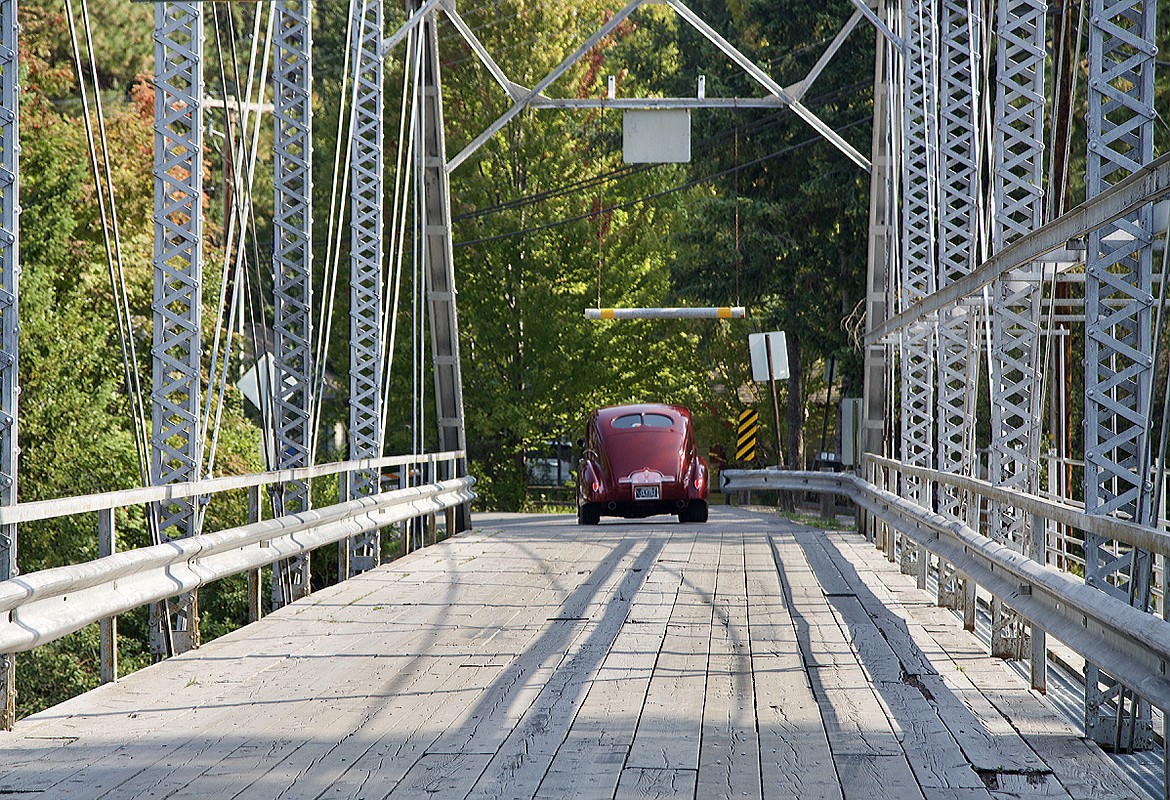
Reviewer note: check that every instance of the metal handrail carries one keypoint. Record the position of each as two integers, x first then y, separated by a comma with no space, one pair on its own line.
42,606
1107,527
64,507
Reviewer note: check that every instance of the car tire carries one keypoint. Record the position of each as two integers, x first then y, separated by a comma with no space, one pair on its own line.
588,515
695,512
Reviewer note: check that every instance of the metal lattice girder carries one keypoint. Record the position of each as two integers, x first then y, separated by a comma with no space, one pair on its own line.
1118,336
961,36
1017,209
440,260
365,258
292,258
178,230
919,253
9,294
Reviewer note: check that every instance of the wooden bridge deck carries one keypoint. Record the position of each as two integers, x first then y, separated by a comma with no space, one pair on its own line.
531,658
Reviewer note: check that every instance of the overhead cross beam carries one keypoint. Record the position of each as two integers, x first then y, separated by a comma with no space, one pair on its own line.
525,98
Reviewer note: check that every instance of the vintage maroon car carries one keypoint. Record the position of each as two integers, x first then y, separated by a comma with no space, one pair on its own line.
640,460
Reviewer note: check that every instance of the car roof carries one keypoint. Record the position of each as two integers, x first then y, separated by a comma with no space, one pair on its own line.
610,413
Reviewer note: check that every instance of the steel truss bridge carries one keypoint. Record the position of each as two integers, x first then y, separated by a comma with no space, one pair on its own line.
978,277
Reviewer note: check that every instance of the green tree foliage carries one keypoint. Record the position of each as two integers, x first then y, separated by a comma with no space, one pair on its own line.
76,433
801,204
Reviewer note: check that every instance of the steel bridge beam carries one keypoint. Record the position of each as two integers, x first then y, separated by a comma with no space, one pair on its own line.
9,295
365,258
1118,337
439,259
1149,183
178,251
292,262
881,203
919,249
961,30
1017,209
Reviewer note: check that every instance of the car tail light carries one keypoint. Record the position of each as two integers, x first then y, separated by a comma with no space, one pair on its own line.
596,486
696,483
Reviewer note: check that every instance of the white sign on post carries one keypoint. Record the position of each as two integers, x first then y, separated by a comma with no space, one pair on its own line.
759,351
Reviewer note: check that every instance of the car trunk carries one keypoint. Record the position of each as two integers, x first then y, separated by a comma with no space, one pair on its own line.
661,451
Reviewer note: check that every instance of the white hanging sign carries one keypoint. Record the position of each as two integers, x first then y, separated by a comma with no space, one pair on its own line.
759,352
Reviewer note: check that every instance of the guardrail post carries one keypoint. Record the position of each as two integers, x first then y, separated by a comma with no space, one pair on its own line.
107,546
255,514
345,546
1039,637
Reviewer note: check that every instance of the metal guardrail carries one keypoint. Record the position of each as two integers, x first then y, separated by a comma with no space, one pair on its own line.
46,605
67,506
1130,644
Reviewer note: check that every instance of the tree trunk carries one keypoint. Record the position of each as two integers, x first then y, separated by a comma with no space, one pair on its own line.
795,417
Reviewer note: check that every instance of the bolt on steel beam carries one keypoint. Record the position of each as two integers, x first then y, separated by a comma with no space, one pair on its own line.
292,259
178,251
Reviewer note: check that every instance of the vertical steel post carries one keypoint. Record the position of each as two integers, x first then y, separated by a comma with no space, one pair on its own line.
919,253
962,44
178,232
1118,338
292,257
874,389
1017,208
9,340
438,255
108,627
365,258
255,514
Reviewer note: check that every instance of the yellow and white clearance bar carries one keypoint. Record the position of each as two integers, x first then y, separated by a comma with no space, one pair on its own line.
717,312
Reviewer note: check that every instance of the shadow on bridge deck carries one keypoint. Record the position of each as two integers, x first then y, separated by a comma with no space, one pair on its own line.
533,658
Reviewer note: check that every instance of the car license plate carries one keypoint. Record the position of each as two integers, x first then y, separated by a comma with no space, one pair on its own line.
645,492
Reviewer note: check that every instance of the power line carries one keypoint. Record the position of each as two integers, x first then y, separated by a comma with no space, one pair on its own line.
627,171
681,187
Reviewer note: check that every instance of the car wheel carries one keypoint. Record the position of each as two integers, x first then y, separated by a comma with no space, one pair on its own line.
588,515
695,512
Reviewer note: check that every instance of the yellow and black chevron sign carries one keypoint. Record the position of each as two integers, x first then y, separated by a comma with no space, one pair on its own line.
745,440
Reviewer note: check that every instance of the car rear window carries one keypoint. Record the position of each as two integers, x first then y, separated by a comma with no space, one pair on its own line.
626,421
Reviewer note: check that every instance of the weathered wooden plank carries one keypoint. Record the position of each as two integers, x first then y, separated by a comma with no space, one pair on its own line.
729,755
589,762
440,775
645,783
670,728
519,765
1055,760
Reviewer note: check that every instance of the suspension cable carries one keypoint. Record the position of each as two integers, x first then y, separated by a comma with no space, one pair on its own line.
404,162
336,228
112,246
241,197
